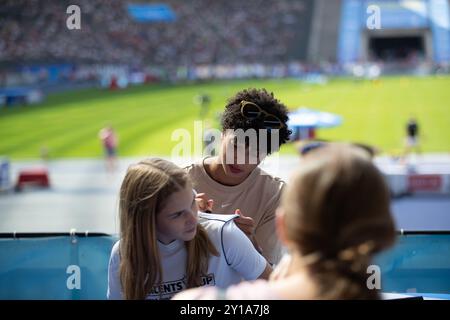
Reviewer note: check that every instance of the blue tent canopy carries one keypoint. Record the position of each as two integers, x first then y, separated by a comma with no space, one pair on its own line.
309,118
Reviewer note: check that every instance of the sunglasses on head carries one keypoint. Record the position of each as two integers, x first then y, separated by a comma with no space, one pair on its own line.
252,111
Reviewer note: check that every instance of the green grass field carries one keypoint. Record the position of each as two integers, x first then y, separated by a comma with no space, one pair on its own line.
145,116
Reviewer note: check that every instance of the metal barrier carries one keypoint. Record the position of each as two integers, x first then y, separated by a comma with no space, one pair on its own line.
74,266
419,262
68,266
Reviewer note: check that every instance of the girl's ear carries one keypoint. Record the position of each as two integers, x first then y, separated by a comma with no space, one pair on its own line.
280,223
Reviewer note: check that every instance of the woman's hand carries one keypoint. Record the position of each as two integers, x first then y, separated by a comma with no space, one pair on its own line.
204,204
247,225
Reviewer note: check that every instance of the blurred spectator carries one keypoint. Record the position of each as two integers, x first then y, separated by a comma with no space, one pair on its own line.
412,136
109,141
203,100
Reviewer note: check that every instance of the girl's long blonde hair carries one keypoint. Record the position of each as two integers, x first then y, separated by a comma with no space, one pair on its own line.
338,216
143,193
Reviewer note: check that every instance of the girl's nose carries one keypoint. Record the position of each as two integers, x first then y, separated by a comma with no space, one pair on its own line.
193,217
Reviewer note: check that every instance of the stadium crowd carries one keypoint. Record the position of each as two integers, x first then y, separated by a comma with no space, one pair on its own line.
204,32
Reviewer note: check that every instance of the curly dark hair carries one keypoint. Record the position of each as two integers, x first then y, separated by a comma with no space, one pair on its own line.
233,119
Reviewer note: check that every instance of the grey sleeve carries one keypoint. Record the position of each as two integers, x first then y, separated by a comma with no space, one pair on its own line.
114,291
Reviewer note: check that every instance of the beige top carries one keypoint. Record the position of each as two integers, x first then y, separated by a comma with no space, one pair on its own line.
258,196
